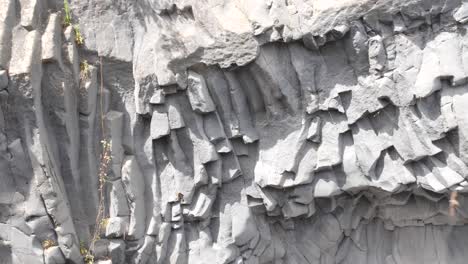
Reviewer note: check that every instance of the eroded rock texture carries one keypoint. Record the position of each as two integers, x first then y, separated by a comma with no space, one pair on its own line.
241,131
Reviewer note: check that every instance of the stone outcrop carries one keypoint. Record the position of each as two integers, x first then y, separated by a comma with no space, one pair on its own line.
239,131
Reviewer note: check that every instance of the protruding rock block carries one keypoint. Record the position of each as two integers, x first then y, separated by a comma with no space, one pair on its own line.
100,249
240,148
241,108
292,209
461,15
213,128
198,94
377,56
428,80
114,133
314,131
26,52
410,139
7,22
31,13
391,173
176,120
357,48
277,79
243,224
145,89
306,65
118,205
3,79
53,255
355,177
52,40
88,93
116,227
23,247
328,153
134,185
158,97
215,171
223,146
368,144
159,125
202,204
231,168
116,250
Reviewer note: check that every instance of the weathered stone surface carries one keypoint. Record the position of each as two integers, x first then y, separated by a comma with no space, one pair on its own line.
132,179
52,39
145,90
31,14
198,94
461,15
53,255
22,247
118,205
116,251
159,125
3,79
175,117
314,131
116,227
157,97
239,131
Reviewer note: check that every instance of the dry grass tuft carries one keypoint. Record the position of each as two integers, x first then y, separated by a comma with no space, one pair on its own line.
48,243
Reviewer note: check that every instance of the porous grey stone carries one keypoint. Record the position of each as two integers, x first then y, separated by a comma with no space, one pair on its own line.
159,125
234,131
116,227
198,94
116,251
3,79
53,255
52,39
132,179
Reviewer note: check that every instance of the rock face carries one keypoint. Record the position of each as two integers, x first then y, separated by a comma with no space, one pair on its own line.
256,132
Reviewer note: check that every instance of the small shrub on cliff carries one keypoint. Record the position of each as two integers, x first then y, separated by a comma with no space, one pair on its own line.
67,17
84,70
79,40
87,257
48,243
104,223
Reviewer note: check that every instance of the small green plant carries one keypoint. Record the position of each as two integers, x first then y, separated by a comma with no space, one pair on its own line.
79,40
104,223
67,18
67,21
48,243
84,70
87,257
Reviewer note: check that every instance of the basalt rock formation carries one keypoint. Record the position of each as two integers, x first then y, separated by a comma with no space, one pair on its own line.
266,131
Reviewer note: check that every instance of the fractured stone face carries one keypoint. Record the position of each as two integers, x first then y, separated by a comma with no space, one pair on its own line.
234,131
159,125
3,79
198,94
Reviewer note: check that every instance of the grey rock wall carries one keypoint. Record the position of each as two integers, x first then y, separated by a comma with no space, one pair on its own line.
304,131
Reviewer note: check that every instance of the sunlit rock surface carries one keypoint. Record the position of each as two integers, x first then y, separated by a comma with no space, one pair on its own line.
256,132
